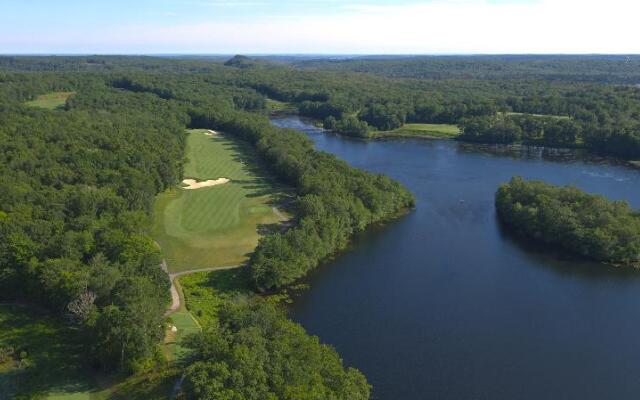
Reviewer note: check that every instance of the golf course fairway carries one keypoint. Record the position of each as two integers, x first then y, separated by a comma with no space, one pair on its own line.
216,225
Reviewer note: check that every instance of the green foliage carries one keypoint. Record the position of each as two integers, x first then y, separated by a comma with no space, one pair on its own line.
491,129
348,126
39,354
584,224
76,189
384,117
619,69
249,350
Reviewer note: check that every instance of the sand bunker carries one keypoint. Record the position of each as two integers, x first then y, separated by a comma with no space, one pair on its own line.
194,184
209,132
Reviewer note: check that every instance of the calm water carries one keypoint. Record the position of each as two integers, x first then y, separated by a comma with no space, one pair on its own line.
443,304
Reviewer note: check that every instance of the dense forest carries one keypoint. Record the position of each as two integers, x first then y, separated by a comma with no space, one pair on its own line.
619,69
251,351
565,101
587,225
76,189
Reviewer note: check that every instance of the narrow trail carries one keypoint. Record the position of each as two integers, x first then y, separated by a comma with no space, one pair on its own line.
175,296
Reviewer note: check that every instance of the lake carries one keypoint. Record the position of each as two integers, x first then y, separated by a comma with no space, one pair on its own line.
443,303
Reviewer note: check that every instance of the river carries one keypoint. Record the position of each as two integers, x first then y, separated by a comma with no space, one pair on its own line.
445,304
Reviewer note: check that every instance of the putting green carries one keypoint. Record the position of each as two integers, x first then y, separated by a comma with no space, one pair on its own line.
216,225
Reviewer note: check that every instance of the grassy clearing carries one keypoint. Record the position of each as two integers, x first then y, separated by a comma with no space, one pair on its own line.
218,225
440,131
154,385
205,292
50,101
540,115
281,107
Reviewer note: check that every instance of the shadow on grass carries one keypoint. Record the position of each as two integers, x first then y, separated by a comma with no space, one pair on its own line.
265,183
51,352
229,281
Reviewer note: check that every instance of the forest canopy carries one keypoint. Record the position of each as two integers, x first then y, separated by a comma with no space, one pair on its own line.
583,224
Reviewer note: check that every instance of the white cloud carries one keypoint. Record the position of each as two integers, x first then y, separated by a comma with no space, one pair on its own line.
440,26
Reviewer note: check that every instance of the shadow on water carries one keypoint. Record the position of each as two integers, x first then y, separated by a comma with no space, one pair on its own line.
528,152
560,262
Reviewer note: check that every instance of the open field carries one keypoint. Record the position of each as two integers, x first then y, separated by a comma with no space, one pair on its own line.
444,131
540,115
281,107
217,225
50,101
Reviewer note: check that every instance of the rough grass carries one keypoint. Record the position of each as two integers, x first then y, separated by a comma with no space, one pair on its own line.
444,131
50,101
206,292
55,363
186,324
281,107
218,225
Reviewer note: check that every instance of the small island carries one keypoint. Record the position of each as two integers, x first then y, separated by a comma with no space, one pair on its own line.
587,225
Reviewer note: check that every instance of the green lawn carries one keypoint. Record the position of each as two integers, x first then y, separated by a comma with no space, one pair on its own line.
218,225
50,101
444,131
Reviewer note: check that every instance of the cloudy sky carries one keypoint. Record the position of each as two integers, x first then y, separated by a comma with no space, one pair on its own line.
319,26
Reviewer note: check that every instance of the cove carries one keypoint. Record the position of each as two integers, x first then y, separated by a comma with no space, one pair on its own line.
443,303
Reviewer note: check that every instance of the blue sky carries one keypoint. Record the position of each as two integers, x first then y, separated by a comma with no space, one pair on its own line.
319,26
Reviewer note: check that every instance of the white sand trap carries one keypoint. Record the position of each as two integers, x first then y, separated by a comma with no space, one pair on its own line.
209,132
194,184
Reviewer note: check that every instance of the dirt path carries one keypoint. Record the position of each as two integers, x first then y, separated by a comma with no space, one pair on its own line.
175,296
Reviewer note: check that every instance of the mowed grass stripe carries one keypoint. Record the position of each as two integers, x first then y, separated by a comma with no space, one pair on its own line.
217,225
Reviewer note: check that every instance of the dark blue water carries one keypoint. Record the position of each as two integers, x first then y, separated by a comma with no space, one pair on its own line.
444,304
